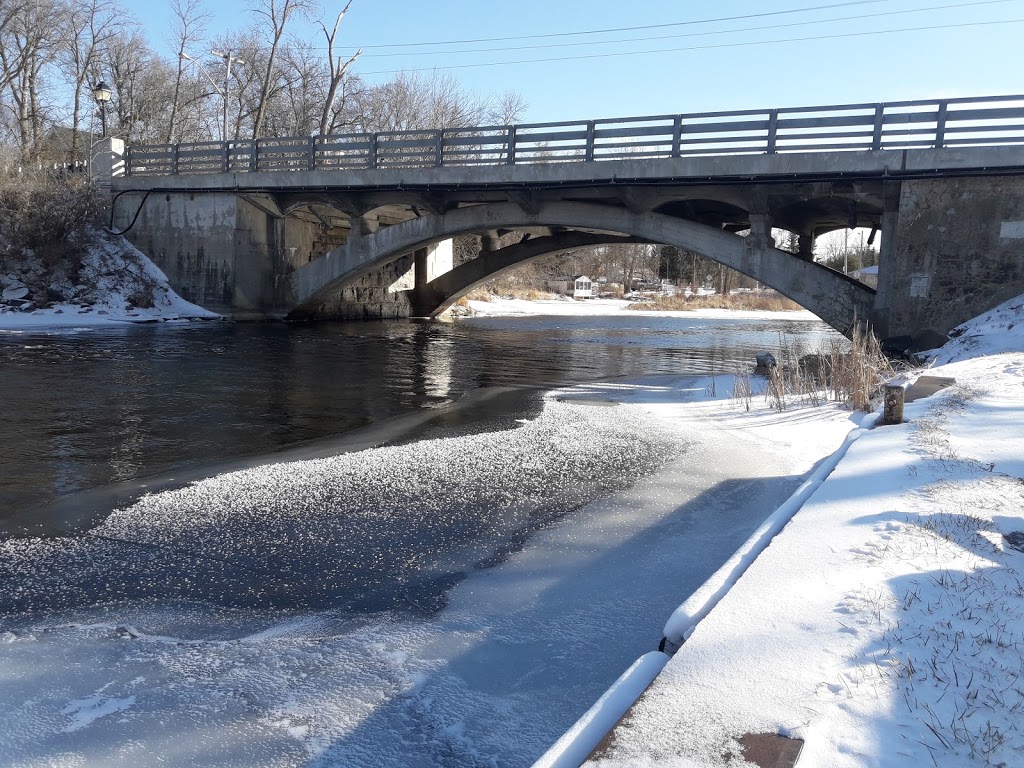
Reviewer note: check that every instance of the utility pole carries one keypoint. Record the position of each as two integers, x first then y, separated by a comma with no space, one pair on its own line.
228,61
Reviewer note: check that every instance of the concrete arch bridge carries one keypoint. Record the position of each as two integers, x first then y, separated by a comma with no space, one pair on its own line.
355,226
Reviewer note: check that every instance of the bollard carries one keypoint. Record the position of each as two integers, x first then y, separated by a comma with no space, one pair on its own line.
893,410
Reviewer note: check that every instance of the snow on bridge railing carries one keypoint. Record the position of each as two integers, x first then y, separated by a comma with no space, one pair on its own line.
963,122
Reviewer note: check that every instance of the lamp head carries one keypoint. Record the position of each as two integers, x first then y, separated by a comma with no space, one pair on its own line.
101,92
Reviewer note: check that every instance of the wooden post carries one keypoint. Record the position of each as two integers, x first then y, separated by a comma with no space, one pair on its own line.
893,410
311,156
940,125
773,130
876,134
439,149
511,142
589,151
677,135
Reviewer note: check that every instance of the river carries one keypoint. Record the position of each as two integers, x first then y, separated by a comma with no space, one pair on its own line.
346,610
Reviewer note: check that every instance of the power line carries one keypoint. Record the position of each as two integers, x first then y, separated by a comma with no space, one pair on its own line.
694,34
625,29
697,47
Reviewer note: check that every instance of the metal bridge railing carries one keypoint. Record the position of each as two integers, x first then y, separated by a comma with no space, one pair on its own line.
963,122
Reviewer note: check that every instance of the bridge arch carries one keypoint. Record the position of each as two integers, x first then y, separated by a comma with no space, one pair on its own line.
444,290
835,298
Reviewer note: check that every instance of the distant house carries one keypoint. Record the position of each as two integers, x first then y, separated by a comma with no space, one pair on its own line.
867,275
579,287
583,287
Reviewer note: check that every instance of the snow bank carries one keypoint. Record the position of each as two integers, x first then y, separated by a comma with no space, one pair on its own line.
884,625
116,284
567,306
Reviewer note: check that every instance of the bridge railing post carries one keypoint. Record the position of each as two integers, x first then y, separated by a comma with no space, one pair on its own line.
371,159
677,136
439,149
876,135
225,157
940,125
311,156
511,143
773,130
254,156
589,152
174,160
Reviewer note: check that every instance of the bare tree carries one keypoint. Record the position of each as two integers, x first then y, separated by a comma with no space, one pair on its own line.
338,69
89,26
190,19
26,46
277,13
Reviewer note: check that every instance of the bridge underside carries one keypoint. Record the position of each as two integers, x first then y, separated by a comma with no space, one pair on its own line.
835,298
328,244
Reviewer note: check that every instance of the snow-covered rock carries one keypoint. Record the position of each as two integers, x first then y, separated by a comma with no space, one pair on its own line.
114,283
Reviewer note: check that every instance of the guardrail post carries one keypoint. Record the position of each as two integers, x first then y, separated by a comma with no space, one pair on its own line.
511,142
876,136
589,152
677,136
225,159
439,150
940,125
311,158
174,160
371,159
773,130
254,156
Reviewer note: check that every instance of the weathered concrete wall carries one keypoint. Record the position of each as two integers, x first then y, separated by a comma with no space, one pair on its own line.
191,238
233,257
959,251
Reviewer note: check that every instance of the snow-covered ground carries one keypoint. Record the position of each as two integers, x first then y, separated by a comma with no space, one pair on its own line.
116,284
566,306
885,625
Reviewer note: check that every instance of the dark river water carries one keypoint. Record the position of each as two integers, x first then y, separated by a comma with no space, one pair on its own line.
87,409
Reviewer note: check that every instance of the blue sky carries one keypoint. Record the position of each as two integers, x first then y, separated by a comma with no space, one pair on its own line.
852,56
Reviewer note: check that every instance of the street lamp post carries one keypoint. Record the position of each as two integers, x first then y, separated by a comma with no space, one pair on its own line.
101,92
228,61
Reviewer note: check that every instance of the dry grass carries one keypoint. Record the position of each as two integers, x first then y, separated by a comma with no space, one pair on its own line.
853,374
526,294
764,300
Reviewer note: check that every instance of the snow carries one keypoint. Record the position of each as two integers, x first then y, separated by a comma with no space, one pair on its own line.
114,273
569,307
884,625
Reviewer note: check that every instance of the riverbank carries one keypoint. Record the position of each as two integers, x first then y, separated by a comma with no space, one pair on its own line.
885,625
499,307
112,283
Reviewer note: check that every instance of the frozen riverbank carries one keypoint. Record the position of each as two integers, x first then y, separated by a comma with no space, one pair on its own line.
489,666
115,283
885,625
499,307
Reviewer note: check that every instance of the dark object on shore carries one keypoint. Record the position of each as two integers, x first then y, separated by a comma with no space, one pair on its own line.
1015,540
765,362
926,386
894,394
904,347
769,750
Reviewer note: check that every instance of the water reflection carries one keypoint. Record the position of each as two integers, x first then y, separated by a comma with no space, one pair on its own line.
85,410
